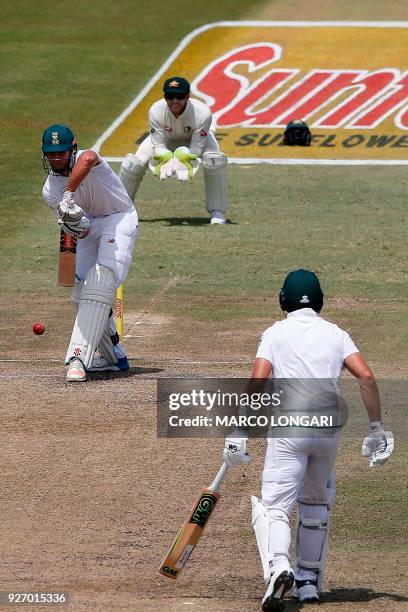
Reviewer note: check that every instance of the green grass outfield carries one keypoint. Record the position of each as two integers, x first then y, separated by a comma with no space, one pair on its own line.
82,67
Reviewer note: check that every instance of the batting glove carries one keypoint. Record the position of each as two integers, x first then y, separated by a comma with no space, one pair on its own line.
183,155
79,229
379,445
161,158
67,209
235,451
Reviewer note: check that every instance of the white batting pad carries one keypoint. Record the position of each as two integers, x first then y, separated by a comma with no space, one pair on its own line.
131,174
272,532
312,540
105,346
76,292
215,181
96,299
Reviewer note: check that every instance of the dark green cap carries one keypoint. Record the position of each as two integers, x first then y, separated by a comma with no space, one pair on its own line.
301,289
176,85
57,138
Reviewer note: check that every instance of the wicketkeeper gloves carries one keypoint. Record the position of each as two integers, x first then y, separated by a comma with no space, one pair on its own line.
162,159
182,164
379,445
183,155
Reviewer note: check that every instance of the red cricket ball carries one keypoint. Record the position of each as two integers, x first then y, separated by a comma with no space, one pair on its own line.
38,329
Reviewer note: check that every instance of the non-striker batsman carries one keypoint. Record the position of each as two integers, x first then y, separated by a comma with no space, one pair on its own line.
298,470
180,133
91,203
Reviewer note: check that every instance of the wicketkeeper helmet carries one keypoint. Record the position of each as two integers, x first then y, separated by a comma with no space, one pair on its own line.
297,133
301,289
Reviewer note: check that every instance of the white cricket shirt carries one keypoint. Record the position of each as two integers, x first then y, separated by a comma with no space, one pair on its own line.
100,194
190,129
304,345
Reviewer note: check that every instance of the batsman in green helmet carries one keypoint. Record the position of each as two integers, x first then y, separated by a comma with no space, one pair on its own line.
90,203
303,351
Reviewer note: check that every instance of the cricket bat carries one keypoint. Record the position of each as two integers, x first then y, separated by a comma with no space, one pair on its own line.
193,528
66,261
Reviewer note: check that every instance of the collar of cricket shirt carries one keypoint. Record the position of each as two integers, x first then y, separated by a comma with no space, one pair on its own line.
303,312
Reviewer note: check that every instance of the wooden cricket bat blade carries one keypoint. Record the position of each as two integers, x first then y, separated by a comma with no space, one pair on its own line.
66,261
192,529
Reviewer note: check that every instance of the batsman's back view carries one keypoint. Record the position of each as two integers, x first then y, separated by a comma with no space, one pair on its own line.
298,470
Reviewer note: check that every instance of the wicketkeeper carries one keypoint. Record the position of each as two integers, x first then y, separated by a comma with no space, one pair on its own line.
180,136
91,203
298,470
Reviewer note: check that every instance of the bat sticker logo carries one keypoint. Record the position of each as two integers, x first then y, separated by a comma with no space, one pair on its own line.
203,509
170,571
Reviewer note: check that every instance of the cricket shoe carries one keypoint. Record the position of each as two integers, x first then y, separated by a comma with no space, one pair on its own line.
76,371
306,591
280,583
100,364
217,218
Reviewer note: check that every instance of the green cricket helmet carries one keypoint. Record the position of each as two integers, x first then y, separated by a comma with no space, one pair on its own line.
58,138
297,132
301,289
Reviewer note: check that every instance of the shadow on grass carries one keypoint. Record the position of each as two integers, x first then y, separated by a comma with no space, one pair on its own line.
197,221
346,595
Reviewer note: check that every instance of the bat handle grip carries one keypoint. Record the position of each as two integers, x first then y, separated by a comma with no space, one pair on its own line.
219,477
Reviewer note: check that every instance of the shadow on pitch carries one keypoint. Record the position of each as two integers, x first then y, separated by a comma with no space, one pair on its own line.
132,371
195,221
346,595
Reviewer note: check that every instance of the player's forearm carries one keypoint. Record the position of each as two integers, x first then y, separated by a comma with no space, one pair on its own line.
357,366
82,168
371,398
197,144
158,140
196,149
255,386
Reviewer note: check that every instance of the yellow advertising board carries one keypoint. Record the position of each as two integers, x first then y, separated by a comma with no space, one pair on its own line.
347,80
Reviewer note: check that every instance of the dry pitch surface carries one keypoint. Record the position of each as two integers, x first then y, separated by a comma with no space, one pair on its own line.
91,499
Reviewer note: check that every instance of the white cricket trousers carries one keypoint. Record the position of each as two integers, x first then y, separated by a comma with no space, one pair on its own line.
298,468
110,243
